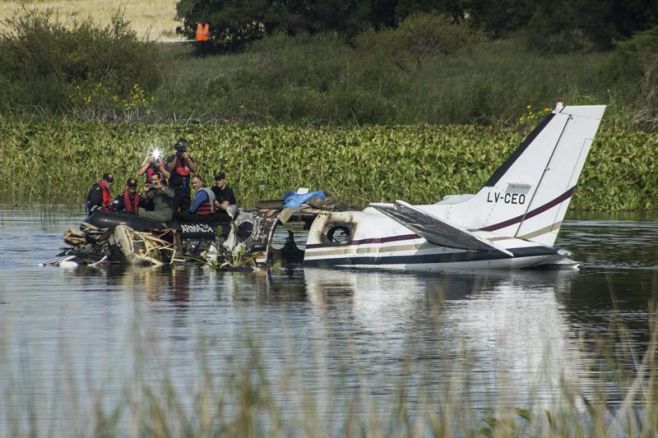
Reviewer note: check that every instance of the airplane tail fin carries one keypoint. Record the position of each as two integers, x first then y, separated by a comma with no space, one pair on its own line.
528,195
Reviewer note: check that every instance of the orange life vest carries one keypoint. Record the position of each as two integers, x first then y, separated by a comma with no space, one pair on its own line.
202,32
107,197
130,201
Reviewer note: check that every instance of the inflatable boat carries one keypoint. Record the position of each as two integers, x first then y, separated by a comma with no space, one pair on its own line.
203,227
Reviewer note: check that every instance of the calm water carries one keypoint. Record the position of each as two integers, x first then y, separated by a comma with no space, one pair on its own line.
71,336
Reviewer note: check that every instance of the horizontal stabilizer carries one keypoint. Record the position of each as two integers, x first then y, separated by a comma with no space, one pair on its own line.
433,229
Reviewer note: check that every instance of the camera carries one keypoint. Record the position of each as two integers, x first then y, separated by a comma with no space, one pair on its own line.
180,147
156,155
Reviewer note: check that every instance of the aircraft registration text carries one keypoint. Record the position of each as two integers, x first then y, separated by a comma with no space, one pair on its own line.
506,198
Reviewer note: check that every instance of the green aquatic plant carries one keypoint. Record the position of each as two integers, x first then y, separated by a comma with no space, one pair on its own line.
57,160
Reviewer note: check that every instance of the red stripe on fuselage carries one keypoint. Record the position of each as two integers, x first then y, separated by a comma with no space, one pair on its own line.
365,241
564,196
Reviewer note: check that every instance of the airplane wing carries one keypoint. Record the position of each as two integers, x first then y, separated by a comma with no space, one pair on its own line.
433,229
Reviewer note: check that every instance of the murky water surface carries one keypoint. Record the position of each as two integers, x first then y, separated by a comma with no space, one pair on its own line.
324,334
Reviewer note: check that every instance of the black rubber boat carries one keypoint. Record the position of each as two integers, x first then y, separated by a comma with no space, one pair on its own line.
203,227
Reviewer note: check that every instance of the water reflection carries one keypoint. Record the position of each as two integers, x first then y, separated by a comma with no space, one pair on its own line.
493,337
505,332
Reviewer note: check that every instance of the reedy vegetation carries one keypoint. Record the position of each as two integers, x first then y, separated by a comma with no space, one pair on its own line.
321,80
57,160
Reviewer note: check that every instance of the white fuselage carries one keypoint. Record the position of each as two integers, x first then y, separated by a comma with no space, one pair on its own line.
377,241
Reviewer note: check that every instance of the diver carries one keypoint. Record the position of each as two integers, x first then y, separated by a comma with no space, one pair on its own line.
157,200
128,201
99,197
181,166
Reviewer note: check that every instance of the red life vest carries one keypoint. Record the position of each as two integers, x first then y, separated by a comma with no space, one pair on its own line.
206,207
181,168
130,205
107,197
149,173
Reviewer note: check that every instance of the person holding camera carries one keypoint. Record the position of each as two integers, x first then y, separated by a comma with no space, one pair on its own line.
153,164
158,199
181,166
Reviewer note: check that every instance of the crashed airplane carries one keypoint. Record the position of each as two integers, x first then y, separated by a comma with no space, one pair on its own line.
512,222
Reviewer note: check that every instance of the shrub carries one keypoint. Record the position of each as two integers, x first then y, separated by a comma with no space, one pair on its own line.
634,69
44,64
418,38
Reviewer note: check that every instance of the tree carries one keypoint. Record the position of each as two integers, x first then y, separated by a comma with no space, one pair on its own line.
555,25
571,25
418,38
347,17
454,9
630,16
233,23
499,18
586,25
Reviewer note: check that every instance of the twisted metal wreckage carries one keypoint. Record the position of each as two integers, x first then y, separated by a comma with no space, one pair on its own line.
121,238
511,222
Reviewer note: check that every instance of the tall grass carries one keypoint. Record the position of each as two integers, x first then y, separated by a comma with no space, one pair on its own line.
82,68
57,160
320,79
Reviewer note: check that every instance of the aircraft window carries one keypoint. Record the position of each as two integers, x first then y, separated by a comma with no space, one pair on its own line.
339,234
244,230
